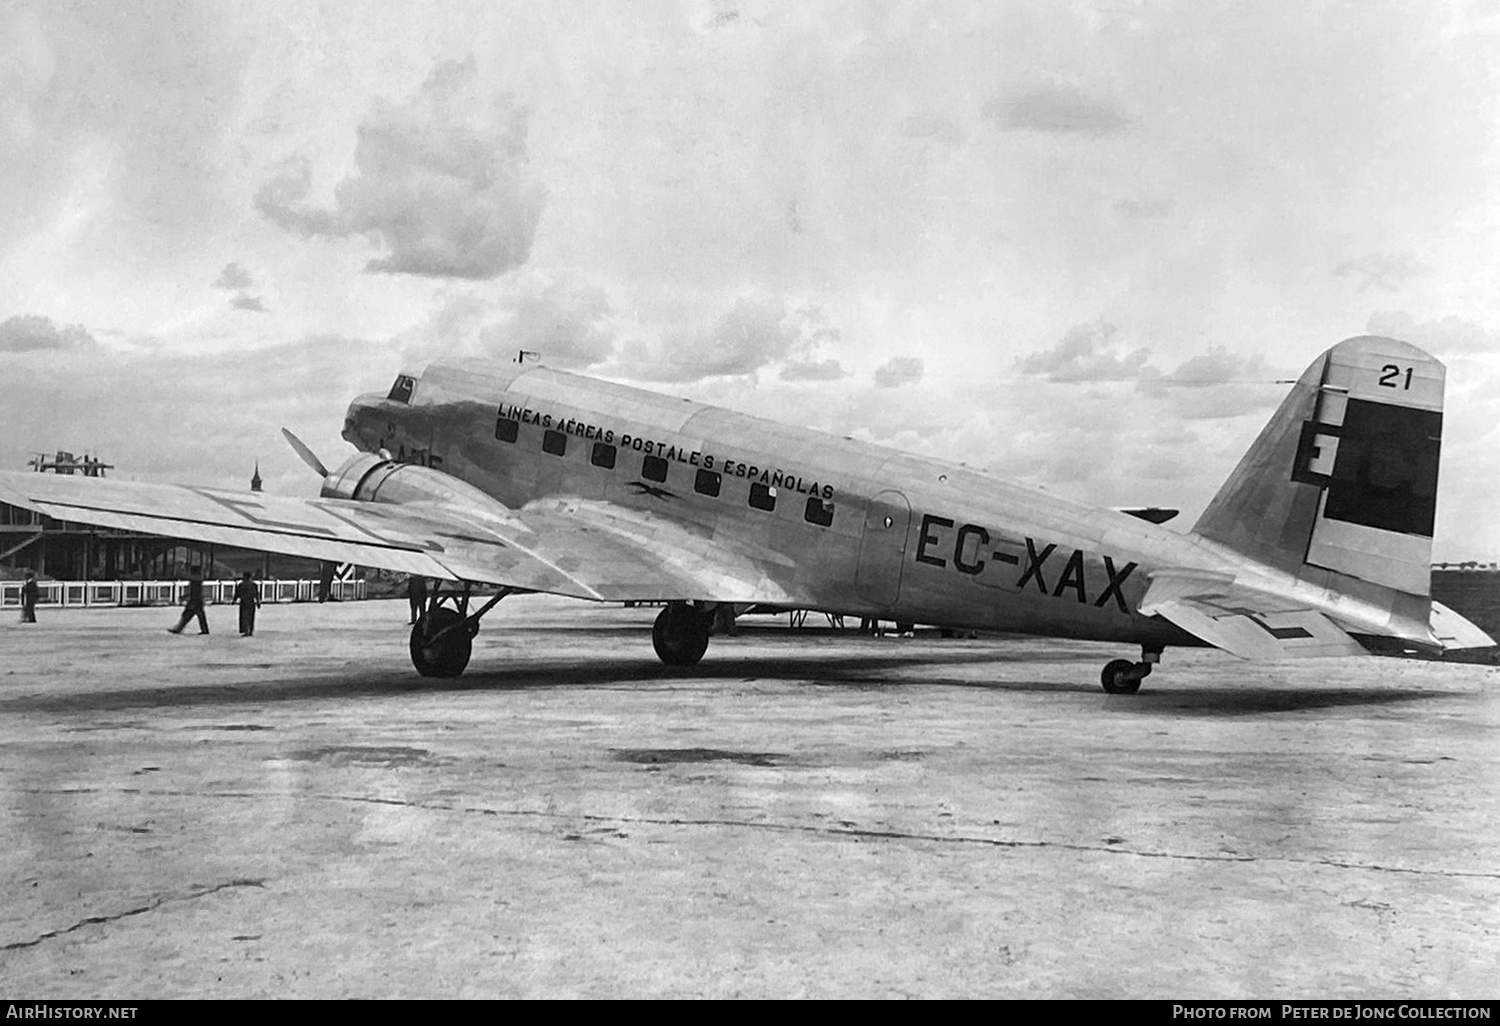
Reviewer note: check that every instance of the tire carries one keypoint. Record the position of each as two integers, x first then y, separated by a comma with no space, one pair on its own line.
451,653
1115,679
680,635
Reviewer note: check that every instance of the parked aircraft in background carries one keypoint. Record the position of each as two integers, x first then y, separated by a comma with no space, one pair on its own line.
536,480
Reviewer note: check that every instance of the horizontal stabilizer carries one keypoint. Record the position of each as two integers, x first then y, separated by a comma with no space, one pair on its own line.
1244,621
1454,632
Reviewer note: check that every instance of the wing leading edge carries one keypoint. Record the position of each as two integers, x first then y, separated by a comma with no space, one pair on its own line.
581,549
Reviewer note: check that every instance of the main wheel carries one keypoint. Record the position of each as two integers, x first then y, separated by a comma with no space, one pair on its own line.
1120,677
680,635
448,655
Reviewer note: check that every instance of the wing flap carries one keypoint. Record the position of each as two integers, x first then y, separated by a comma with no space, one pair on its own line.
629,554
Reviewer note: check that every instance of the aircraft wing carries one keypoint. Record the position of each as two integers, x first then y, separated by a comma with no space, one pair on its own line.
590,550
1248,622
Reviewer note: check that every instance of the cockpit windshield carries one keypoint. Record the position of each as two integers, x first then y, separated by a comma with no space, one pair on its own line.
401,390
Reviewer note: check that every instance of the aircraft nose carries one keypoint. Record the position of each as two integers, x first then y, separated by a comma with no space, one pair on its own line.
357,423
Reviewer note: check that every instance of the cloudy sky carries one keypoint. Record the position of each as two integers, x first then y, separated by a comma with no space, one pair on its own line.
1074,243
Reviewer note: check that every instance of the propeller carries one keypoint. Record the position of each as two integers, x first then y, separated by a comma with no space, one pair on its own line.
307,454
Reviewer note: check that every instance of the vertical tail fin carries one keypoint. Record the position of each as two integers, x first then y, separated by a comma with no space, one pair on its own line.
1344,477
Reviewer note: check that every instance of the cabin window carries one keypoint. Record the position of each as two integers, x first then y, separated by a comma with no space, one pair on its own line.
762,497
401,390
818,512
707,482
654,468
507,430
555,442
603,456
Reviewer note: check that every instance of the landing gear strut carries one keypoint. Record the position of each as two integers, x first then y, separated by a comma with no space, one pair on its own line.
443,637
1122,677
680,634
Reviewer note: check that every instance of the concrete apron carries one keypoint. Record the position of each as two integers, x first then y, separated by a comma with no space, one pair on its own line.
298,814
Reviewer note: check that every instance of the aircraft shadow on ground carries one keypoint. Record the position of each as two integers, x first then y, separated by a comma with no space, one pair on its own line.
1249,700
871,672
860,671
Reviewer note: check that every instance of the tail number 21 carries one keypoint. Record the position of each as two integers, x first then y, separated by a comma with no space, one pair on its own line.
1391,376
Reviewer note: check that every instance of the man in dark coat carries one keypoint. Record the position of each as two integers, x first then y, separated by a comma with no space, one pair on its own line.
29,594
247,596
416,595
194,604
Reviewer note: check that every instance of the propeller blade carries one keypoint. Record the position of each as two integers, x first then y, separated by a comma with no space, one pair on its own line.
307,454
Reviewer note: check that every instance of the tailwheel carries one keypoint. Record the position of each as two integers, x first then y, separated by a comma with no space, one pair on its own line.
437,650
680,634
1123,677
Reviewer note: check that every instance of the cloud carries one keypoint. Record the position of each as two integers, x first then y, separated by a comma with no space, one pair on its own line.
1447,336
747,336
722,18
641,336
756,332
1217,385
1218,366
112,119
29,333
820,370
1388,272
564,319
1087,352
194,417
1145,209
898,371
1213,385
929,125
440,181
1055,109
237,279
1223,402
233,277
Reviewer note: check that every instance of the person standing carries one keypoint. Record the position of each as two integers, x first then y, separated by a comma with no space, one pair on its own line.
29,595
194,604
247,596
416,595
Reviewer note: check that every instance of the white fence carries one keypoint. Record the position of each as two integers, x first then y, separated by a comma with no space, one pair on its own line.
168,593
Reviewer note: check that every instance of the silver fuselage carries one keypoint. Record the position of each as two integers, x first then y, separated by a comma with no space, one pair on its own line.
843,526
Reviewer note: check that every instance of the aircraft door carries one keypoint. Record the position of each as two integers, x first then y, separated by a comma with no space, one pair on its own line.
882,548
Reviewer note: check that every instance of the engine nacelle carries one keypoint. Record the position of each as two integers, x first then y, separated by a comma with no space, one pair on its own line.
370,478
345,482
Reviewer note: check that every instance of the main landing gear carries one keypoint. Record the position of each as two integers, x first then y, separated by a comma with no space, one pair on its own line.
680,634
1122,677
443,637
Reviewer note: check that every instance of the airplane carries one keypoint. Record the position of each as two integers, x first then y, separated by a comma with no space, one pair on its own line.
524,478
